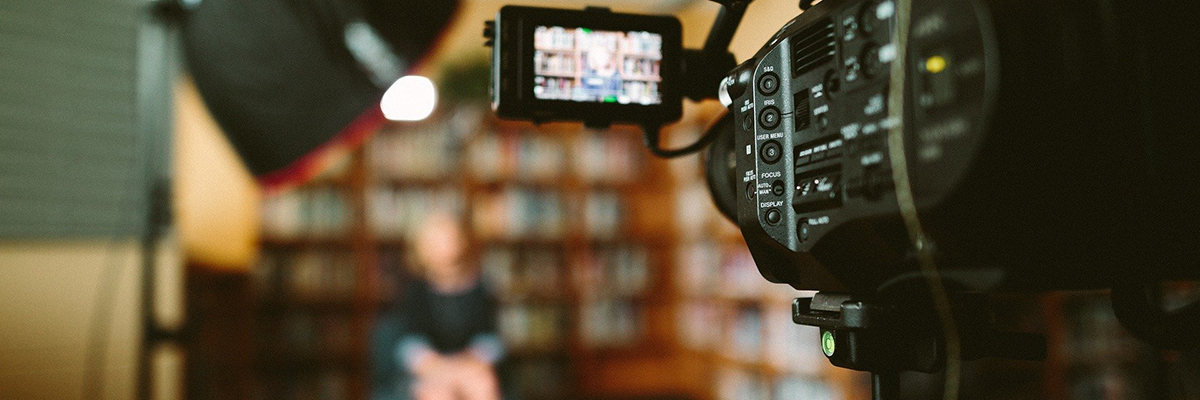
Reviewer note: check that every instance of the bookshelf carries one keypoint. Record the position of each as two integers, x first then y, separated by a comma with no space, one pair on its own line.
563,223
310,291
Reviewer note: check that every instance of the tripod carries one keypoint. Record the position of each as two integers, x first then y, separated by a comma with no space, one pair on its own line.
886,337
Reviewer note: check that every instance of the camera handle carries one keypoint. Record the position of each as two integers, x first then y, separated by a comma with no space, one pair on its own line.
888,337
701,73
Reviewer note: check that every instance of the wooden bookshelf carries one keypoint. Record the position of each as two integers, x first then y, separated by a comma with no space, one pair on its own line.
312,291
566,223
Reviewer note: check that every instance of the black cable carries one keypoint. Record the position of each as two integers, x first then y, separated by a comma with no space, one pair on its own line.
651,135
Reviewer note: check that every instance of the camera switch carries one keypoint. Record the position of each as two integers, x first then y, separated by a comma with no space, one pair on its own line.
771,152
868,18
774,216
871,64
769,118
832,83
768,83
777,188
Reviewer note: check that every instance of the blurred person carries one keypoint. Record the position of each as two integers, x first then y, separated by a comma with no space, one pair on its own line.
602,78
442,339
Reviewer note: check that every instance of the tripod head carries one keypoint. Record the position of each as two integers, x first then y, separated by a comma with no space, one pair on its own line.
889,336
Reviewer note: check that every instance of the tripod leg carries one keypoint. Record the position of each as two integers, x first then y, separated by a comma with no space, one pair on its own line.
885,385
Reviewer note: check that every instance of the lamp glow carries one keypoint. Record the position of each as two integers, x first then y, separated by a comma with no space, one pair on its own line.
410,98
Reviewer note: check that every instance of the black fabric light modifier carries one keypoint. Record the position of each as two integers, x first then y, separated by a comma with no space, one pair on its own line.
277,74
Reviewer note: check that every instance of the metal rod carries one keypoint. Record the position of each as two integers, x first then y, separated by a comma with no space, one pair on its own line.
724,27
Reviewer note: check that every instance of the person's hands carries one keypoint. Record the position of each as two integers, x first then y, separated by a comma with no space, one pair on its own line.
476,377
435,369
464,374
471,362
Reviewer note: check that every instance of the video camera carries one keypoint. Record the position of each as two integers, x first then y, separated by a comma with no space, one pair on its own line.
1041,149
1016,146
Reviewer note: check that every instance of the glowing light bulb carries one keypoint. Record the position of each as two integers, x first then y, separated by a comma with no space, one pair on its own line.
410,98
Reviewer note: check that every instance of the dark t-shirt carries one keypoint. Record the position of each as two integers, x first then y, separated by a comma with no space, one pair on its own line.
447,321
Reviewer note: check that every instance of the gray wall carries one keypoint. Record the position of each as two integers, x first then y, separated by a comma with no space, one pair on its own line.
84,116
84,127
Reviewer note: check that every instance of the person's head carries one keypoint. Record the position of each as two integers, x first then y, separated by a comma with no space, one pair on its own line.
440,245
601,59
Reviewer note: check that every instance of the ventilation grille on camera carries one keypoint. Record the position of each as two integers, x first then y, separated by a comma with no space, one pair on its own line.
813,47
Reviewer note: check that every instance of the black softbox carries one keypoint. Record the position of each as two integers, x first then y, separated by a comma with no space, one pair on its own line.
291,80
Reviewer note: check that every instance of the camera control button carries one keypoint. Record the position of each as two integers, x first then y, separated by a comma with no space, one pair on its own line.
832,83
769,118
871,64
768,83
868,17
771,152
774,216
777,188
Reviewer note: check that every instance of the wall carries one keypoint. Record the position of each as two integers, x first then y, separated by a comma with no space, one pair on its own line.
215,197
70,315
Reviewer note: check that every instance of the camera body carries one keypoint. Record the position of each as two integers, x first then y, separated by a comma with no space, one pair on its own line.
590,65
1040,144
1047,145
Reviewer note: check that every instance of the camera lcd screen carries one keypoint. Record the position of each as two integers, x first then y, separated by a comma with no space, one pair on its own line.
597,66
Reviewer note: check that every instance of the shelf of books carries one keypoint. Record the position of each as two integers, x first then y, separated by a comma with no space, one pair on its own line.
310,320
555,218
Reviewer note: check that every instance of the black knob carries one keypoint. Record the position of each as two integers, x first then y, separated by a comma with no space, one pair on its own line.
832,83
769,118
774,216
771,152
738,80
777,188
871,65
489,33
768,83
867,21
